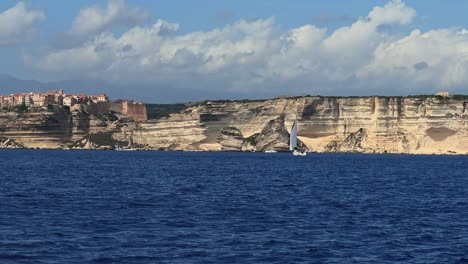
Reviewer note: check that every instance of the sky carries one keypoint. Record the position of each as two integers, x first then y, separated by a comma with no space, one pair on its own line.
183,50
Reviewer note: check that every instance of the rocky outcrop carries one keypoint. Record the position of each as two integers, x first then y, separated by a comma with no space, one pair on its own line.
100,140
230,139
352,143
424,124
8,143
274,136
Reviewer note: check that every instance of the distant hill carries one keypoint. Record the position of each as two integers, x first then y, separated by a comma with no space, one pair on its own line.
144,91
148,92
10,84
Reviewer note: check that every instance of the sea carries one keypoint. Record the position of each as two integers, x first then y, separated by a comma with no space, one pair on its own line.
196,207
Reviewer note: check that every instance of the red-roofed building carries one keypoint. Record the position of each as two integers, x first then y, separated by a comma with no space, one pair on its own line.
102,98
40,100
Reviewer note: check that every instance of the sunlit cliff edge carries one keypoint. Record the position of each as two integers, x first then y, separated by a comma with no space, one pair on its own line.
414,125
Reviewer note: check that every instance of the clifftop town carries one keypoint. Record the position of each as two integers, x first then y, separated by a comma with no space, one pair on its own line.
59,98
56,100
435,124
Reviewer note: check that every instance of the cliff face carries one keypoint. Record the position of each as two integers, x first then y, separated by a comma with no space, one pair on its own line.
326,124
62,129
423,125
36,130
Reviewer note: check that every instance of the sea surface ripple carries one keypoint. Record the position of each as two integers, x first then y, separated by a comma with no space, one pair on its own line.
181,207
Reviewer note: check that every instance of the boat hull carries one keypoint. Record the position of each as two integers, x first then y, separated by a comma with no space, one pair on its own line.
297,153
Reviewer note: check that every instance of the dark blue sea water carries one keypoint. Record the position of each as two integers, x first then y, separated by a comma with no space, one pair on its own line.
163,207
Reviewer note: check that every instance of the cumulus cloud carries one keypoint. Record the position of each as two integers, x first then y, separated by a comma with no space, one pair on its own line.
256,57
94,19
439,57
395,11
16,24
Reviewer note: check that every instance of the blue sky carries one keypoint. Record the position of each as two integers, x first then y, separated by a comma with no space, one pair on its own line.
208,14
239,49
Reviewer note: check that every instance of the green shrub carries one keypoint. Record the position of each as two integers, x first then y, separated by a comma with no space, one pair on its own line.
252,140
460,97
157,111
21,108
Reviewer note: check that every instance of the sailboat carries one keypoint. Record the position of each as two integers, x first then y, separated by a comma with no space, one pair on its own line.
293,141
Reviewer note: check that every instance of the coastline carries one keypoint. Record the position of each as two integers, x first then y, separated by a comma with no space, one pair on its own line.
430,125
224,151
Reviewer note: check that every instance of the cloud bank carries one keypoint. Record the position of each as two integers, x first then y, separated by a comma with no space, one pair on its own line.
17,24
256,57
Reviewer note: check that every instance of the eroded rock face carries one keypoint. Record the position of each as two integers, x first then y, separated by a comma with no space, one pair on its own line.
273,136
230,139
352,143
100,140
326,124
64,129
8,143
37,129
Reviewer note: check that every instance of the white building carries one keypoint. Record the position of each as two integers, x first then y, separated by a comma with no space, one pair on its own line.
69,101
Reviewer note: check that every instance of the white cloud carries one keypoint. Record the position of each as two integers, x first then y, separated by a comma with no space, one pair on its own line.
443,52
16,24
157,48
393,12
256,57
94,19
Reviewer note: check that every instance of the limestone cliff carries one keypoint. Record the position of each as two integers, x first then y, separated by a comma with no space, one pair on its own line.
65,130
36,129
422,124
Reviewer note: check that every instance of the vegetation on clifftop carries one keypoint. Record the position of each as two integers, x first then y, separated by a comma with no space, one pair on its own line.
460,97
157,111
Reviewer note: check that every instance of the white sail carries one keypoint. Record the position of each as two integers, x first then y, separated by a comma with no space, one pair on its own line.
293,137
